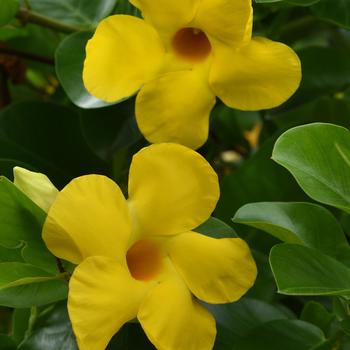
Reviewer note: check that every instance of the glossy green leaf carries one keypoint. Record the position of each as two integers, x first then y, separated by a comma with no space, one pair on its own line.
282,334
292,2
84,13
258,179
110,129
338,13
70,56
241,317
301,270
302,2
300,223
216,228
326,71
131,336
318,156
21,224
11,254
24,285
318,315
52,331
48,137
8,10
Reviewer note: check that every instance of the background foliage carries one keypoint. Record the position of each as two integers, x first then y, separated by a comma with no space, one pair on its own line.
293,208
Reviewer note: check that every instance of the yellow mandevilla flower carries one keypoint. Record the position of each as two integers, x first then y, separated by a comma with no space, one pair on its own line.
139,257
183,55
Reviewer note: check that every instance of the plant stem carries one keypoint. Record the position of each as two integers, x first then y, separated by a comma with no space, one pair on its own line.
26,55
5,97
25,15
60,266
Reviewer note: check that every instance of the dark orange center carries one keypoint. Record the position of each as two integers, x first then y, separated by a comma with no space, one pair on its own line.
144,260
192,44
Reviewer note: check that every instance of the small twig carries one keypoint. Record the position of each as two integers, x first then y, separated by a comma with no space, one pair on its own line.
26,55
5,96
60,265
25,15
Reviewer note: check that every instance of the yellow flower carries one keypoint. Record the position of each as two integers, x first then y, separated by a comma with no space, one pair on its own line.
181,56
140,258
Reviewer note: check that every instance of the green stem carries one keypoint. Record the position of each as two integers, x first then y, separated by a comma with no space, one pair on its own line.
31,323
26,15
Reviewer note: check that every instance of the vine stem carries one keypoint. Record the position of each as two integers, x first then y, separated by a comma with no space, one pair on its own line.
26,55
26,15
5,97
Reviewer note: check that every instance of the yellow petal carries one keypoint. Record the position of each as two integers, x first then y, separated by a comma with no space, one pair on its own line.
173,320
261,75
228,21
171,189
175,108
167,15
89,217
124,53
35,186
102,297
215,270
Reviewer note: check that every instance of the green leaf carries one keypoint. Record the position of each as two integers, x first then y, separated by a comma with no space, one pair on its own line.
85,13
326,71
70,56
302,2
282,334
301,270
8,10
292,2
318,315
20,323
7,343
52,331
131,336
216,228
318,156
241,317
11,254
299,223
345,325
110,129
24,285
338,13
21,224
252,182
47,136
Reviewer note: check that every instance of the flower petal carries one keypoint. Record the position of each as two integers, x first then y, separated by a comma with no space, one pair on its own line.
89,217
102,297
215,270
35,186
261,75
123,54
225,20
175,108
173,320
167,15
172,189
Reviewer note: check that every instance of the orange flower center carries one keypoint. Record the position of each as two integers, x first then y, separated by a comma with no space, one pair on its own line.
144,260
192,44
